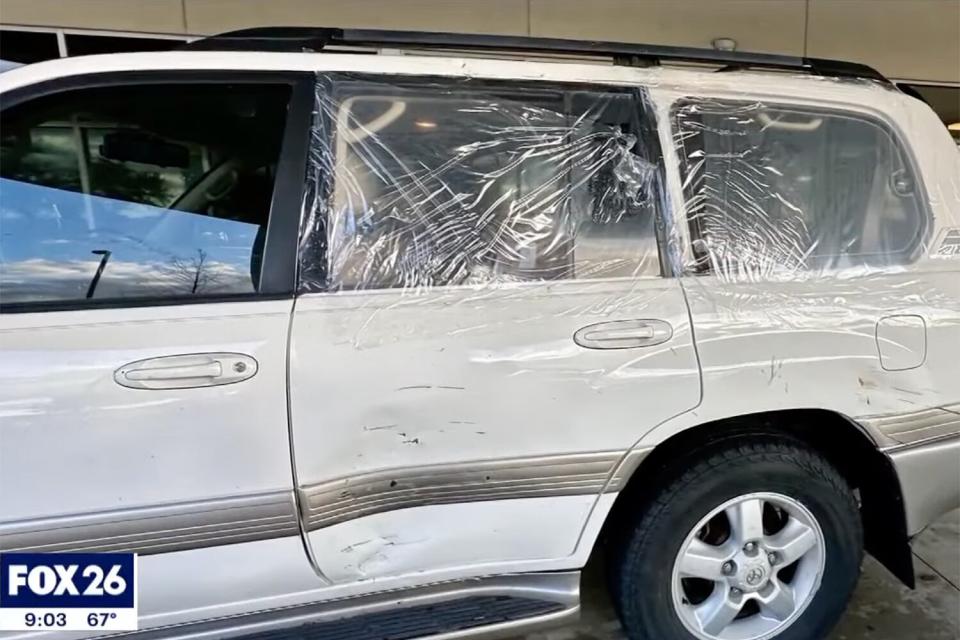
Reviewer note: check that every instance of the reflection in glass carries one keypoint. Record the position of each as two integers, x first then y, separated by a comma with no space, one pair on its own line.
51,251
138,191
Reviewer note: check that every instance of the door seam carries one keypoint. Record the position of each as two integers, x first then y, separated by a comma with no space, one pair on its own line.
297,497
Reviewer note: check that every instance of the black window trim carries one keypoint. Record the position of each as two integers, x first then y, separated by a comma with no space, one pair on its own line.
278,270
701,265
647,117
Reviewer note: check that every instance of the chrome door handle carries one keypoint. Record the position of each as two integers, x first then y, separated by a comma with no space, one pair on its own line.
623,334
185,371
209,370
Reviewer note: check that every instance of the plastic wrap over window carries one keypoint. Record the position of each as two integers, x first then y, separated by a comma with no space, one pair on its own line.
438,182
787,191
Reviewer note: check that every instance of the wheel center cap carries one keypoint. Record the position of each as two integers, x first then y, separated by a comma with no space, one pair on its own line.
755,576
752,575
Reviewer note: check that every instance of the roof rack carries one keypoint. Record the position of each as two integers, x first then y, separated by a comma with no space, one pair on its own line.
317,39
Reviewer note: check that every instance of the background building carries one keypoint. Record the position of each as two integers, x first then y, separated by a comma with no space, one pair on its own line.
916,42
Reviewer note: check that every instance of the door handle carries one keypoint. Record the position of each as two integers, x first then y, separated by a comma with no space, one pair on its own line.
623,334
186,371
209,370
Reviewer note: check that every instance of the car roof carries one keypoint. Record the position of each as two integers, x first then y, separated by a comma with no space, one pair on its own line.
448,64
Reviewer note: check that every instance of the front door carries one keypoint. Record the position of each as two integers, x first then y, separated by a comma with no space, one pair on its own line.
485,326
144,325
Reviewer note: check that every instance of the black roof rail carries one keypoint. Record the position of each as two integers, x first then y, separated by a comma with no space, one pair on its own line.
319,38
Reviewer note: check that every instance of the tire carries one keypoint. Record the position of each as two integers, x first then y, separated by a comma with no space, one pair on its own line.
644,581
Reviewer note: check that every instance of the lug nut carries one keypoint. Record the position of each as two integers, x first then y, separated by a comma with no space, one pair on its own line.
728,568
750,547
772,558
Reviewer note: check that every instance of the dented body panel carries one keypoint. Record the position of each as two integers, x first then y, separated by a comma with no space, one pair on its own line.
491,377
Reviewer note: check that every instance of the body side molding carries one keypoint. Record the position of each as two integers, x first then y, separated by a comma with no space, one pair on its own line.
192,525
352,497
159,529
916,427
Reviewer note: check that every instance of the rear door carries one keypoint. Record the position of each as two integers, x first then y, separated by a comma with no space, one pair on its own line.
146,286
485,325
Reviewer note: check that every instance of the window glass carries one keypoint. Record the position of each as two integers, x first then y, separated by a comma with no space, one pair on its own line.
447,184
28,46
86,45
777,189
133,191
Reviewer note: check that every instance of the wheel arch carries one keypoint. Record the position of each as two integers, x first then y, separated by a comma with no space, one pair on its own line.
844,442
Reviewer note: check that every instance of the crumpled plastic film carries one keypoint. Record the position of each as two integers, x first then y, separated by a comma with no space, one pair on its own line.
442,182
789,192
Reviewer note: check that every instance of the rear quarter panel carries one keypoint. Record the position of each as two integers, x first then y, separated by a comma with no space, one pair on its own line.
811,342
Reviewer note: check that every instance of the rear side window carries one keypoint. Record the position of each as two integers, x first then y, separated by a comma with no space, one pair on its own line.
454,182
159,190
786,189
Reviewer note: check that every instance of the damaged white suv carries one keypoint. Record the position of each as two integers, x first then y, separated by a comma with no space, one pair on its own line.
381,335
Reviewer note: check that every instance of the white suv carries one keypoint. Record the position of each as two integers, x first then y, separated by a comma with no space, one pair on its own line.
382,335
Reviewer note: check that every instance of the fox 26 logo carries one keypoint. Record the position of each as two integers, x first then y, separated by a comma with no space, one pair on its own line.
67,590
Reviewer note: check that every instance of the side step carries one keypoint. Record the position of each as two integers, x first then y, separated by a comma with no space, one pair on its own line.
486,607
424,621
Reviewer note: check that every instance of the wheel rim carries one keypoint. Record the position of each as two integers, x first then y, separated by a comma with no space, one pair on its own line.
749,568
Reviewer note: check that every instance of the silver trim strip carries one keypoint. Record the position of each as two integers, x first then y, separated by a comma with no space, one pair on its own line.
159,529
929,474
559,587
917,426
208,523
629,463
347,498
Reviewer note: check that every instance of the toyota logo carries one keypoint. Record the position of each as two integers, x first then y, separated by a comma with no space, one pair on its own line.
754,576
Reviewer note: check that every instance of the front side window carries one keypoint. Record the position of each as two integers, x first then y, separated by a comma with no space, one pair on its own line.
123,192
454,182
781,190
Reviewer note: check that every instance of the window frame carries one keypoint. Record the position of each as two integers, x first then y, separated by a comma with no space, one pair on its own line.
699,265
279,264
324,129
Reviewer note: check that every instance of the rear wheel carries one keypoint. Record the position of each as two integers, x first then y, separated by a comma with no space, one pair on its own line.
755,541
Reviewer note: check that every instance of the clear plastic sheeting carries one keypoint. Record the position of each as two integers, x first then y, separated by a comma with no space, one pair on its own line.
461,182
788,191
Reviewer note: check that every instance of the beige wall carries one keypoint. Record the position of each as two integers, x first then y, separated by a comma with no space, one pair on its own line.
912,39
159,16
485,16
764,25
907,39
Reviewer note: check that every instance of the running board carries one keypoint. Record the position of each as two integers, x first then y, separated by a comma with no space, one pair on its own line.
478,608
